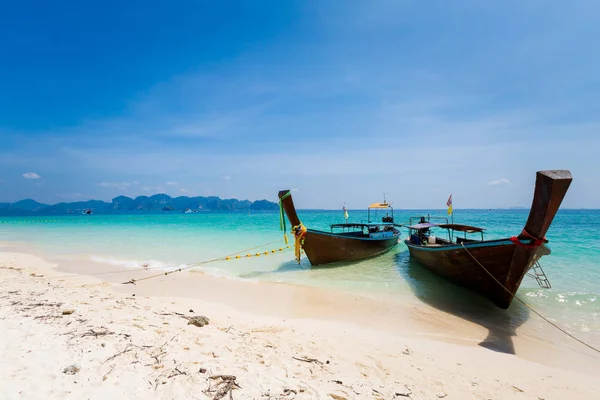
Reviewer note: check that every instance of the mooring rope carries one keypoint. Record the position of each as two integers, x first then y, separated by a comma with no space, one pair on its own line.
529,307
188,266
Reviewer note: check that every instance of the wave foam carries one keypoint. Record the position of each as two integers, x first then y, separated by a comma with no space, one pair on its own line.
136,263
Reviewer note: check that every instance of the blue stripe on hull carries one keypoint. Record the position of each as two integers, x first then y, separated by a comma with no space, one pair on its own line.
380,239
490,243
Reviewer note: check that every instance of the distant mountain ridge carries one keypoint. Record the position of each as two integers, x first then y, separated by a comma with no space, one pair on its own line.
121,204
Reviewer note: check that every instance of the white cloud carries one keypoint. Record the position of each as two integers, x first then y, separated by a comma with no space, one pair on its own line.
227,178
31,175
72,196
152,189
501,181
117,185
184,190
172,183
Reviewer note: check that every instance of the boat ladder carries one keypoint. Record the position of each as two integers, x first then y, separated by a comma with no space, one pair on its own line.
536,272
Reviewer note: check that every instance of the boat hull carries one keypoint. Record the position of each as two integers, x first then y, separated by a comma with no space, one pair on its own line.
495,268
455,264
324,248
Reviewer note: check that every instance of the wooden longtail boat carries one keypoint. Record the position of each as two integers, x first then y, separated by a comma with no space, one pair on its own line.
493,268
345,242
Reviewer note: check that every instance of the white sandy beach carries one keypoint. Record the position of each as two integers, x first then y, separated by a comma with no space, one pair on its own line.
70,336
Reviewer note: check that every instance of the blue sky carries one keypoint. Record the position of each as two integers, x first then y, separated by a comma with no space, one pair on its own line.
340,101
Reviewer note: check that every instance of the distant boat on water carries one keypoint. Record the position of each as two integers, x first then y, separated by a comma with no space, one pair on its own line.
345,242
87,212
190,211
492,268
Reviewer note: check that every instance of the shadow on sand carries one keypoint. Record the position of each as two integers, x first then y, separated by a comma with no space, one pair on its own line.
441,294
293,266
458,301
288,266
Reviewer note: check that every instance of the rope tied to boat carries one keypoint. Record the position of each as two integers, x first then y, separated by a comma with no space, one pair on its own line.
196,264
282,216
299,234
537,242
529,307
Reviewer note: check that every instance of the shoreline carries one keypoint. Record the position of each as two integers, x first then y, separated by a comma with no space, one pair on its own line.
464,321
377,345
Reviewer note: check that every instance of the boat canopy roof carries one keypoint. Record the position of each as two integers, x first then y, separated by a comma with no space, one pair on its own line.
455,227
423,225
380,205
361,225
462,228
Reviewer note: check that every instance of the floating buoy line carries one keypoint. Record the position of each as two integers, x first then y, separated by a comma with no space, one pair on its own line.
233,256
266,253
236,255
69,221
227,257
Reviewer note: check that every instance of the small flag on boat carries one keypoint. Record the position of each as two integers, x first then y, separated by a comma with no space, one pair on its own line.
345,213
449,204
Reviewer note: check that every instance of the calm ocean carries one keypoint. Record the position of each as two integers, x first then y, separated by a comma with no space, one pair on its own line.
171,240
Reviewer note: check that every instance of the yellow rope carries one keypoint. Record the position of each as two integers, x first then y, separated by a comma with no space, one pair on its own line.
299,233
530,308
168,272
134,281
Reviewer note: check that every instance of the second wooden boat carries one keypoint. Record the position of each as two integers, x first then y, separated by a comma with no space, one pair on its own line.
345,242
493,268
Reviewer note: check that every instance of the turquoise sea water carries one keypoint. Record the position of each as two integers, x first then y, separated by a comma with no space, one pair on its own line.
172,240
